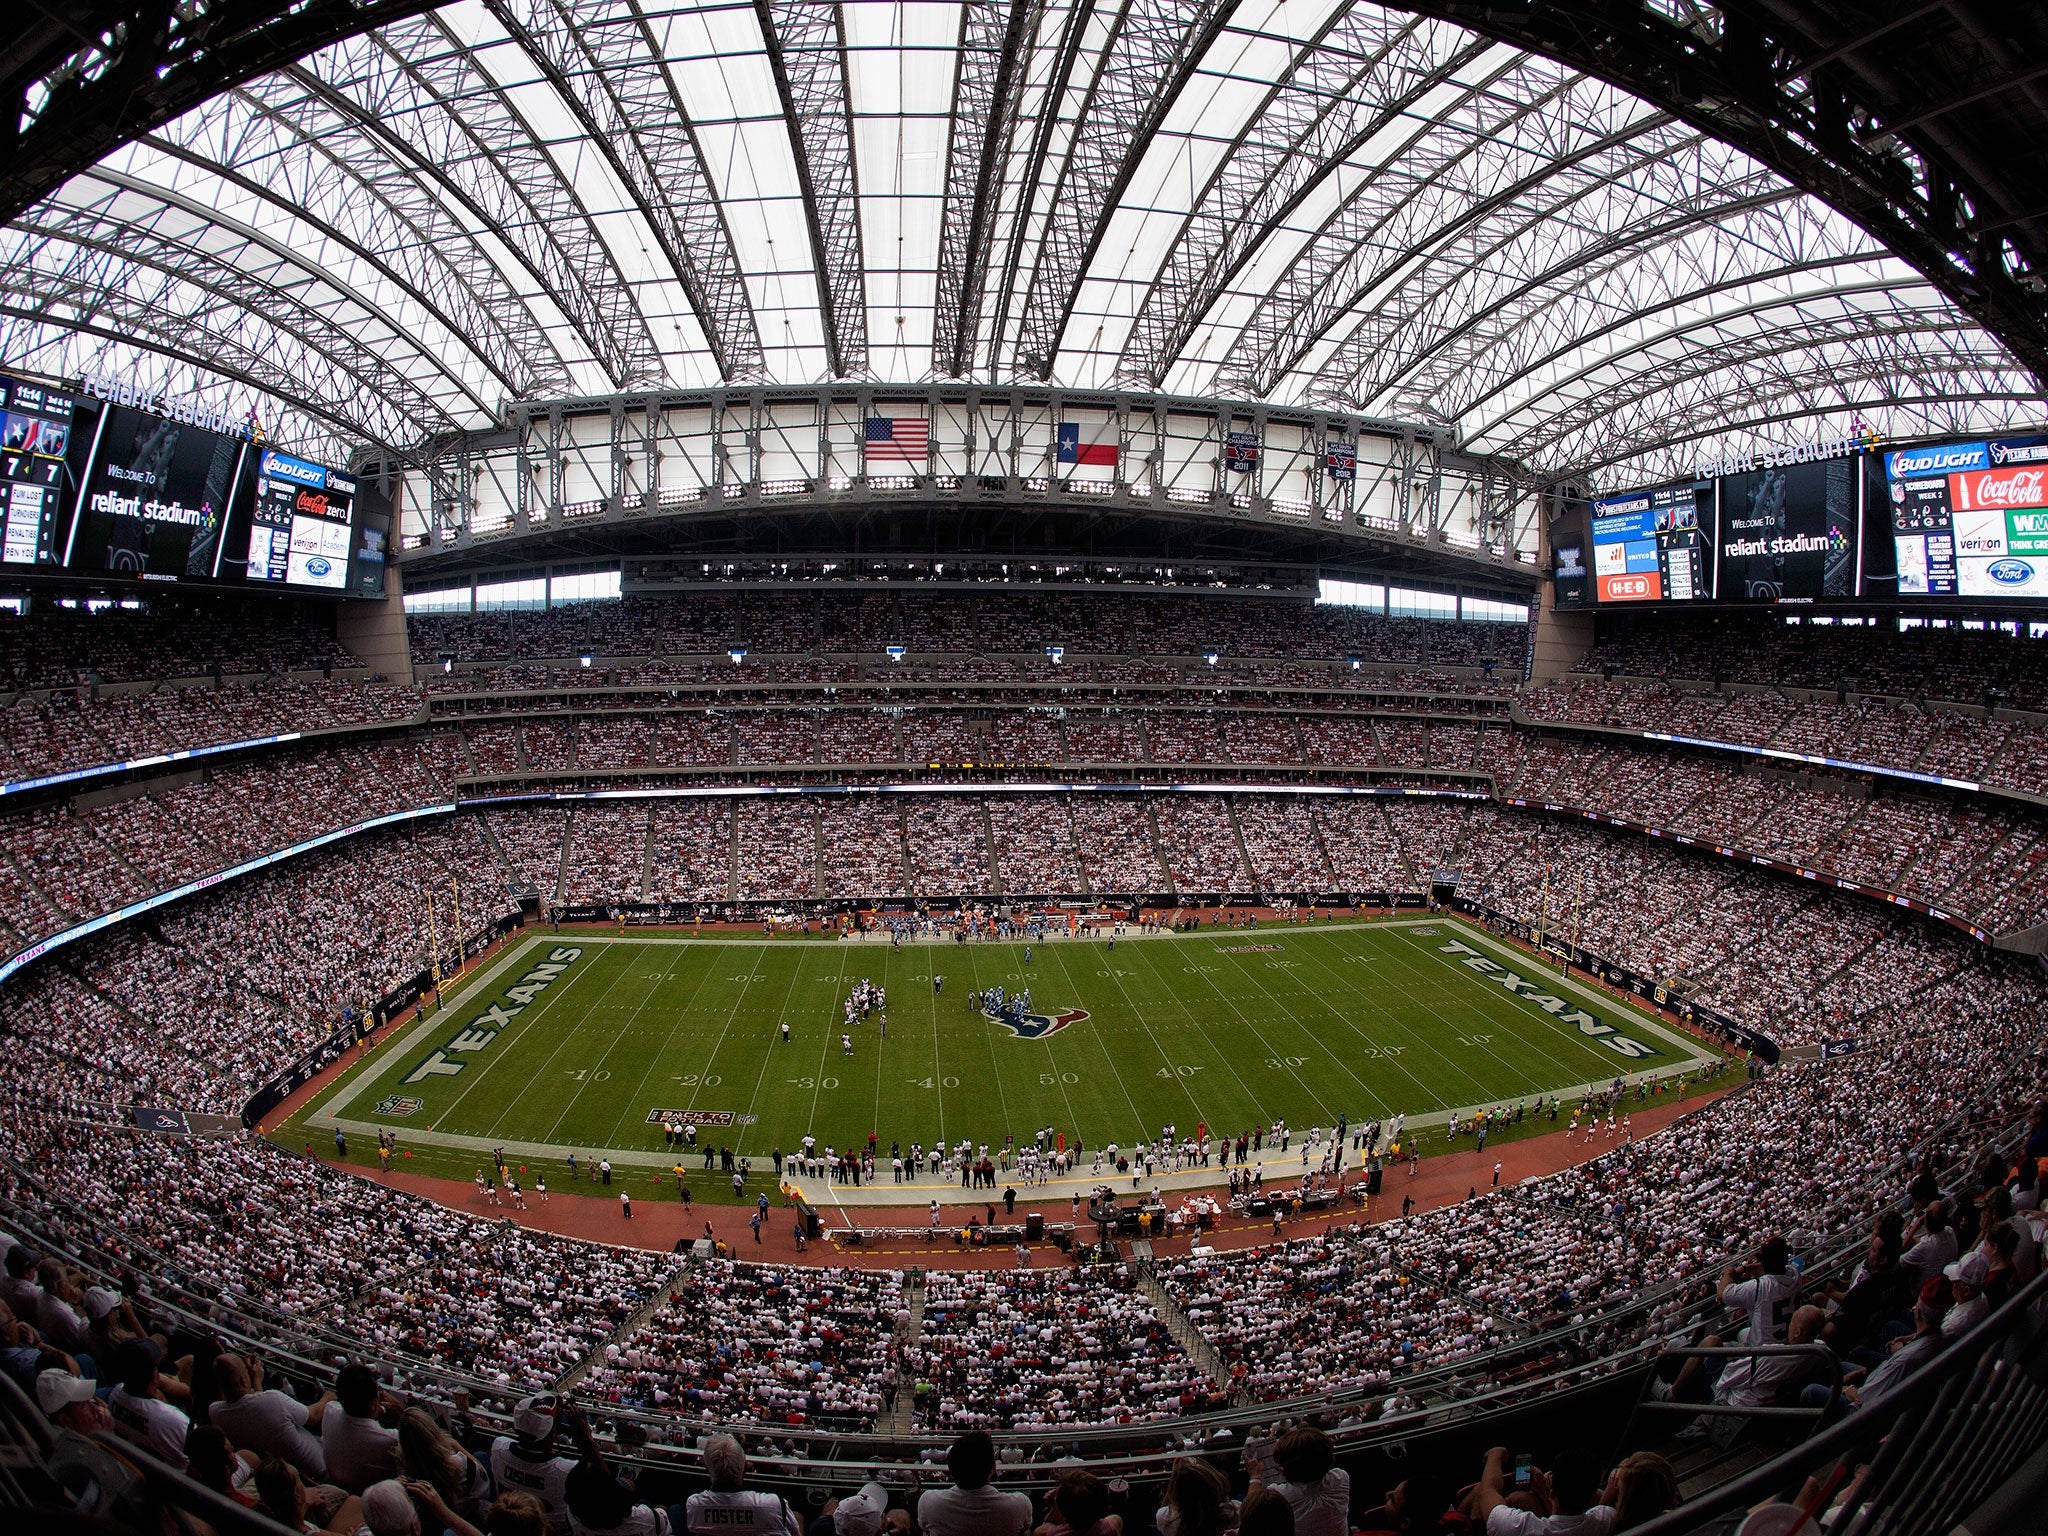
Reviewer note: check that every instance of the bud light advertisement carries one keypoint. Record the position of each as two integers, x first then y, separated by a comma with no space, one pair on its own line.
299,527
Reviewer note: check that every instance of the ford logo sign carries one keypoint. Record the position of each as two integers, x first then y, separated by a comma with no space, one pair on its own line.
2012,573
320,567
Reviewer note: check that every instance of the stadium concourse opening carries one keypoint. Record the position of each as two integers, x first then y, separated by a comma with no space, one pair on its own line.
1180,767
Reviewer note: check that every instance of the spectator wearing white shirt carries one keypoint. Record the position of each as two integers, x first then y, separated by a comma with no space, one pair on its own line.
359,1451
970,1507
140,1413
265,1420
1767,1294
1556,1502
1314,1486
730,1508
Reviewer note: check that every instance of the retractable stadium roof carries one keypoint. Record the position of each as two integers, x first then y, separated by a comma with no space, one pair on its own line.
1585,236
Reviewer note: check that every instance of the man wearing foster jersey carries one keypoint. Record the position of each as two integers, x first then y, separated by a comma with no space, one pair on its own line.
729,1506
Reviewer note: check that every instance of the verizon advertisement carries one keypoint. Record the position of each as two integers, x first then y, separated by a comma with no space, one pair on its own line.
1788,534
1971,519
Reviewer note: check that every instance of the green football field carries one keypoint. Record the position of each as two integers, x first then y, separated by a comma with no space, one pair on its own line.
573,1042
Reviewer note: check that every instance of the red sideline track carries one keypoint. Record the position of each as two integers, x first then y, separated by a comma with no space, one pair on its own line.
658,1222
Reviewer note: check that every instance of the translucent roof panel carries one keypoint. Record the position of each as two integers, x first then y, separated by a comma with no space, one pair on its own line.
1300,201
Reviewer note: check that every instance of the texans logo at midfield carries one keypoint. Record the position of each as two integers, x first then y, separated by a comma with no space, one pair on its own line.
1034,1026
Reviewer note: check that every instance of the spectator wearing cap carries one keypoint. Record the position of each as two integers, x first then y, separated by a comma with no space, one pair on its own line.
141,1416
358,1450
970,1507
264,1420
730,1508
96,1480
1314,1486
865,1512
525,1460
109,1319
1967,1276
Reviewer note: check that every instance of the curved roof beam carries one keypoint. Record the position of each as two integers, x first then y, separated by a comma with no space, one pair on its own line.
420,90
1623,185
1024,184
1398,205
1862,272
1358,77
120,87
1153,51
1810,358
315,430
1478,326
807,53
296,198
1801,92
988,80
1945,405
98,252
603,62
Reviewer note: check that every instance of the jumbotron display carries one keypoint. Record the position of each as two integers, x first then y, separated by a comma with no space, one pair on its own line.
1964,521
113,489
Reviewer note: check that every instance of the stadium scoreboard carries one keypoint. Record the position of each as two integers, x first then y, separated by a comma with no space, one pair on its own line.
1961,521
116,489
35,439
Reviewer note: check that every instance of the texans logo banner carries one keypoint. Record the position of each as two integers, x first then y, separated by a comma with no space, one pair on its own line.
1340,458
1094,443
897,439
1241,451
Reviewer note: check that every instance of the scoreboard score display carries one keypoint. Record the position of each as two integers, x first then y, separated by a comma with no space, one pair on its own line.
35,437
1649,546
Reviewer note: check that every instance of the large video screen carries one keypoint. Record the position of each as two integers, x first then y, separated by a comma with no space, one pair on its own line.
35,438
1650,546
153,498
1970,520
1788,534
299,523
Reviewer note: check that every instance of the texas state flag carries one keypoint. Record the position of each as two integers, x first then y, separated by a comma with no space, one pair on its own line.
1090,443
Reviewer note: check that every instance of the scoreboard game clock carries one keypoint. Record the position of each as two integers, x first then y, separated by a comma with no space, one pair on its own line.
35,437
1650,546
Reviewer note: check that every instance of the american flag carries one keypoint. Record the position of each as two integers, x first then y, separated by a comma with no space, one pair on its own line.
898,439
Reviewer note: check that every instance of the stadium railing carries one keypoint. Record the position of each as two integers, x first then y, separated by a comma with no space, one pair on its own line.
1921,1459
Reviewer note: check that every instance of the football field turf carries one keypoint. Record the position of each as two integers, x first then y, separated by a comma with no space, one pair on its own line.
572,1042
